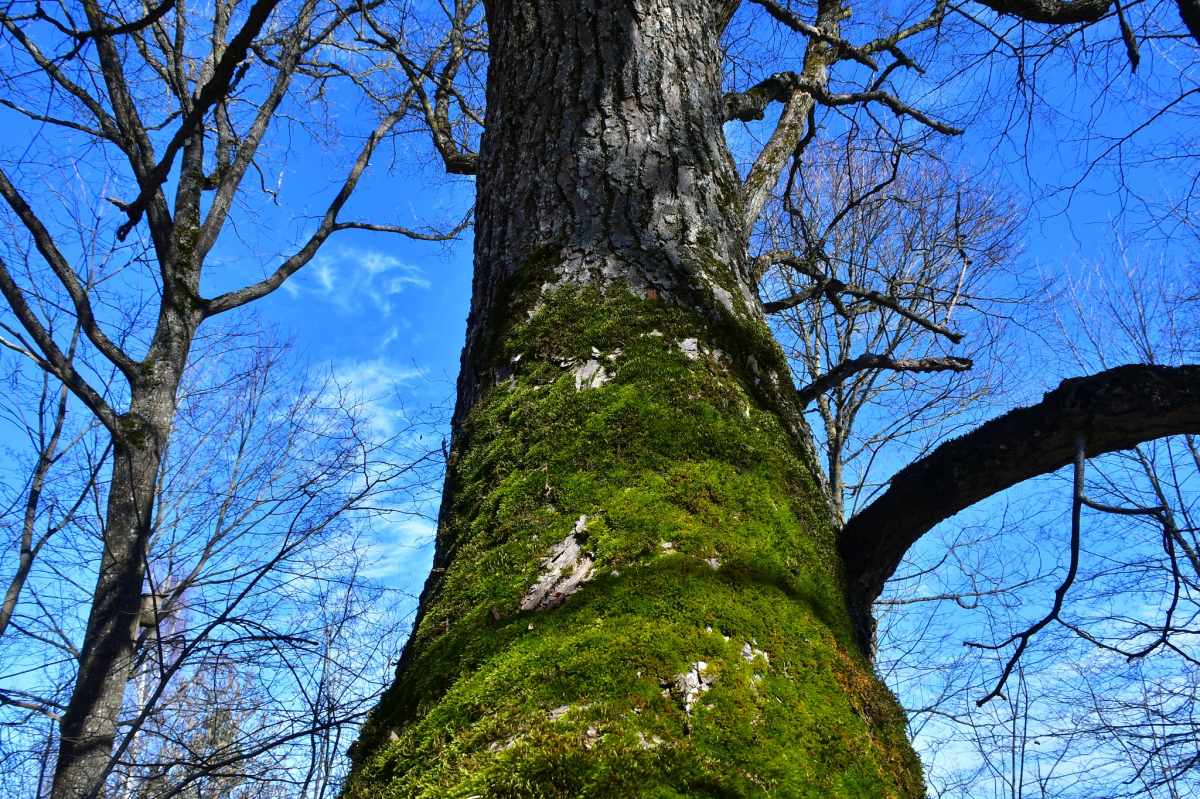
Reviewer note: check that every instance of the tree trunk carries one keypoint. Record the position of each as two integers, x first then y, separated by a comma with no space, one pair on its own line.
88,730
636,588
89,726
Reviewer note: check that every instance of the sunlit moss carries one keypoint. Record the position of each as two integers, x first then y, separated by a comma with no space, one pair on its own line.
673,450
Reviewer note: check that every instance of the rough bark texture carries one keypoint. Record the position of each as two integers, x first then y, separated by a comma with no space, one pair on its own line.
1114,410
89,726
636,588
604,142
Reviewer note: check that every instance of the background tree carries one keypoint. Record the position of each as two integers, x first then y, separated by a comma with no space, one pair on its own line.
262,640
1119,722
161,112
885,259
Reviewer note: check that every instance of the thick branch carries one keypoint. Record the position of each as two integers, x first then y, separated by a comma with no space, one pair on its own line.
842,48
438,121
152,17
1051,12
847,369
138,147
778,306
52,358
231,179
764,175
1117,409
1189,12
752,104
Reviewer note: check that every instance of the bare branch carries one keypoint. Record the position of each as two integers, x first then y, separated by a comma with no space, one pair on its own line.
1060,594
764,175
1052,12
109,127
884,301
66,275
231,179
831,287
52,358
845,370
890,101
436,114
403,231
328,226
34,706
214,90
153,16
841,47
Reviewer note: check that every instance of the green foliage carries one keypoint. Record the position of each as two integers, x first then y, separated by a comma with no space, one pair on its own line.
711,544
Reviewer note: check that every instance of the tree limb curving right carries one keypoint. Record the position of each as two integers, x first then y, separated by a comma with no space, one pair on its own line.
1116,409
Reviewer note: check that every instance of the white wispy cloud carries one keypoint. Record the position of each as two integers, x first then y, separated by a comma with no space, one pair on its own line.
354,280
385,390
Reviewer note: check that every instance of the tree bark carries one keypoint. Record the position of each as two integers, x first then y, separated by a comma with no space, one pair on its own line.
89,725
636,588
88,729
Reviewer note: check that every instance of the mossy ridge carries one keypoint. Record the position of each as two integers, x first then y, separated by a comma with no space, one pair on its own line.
675,450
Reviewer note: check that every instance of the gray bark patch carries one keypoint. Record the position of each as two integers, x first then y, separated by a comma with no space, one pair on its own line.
693,682
749,653
590,375
567,568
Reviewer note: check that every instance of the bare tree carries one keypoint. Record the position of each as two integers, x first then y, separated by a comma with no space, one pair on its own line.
1112,605
261,639
885,259
171,114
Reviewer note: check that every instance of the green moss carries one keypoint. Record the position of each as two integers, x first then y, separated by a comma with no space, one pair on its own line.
672,450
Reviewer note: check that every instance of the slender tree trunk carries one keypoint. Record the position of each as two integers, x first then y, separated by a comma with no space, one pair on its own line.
636,589
89,725
88,729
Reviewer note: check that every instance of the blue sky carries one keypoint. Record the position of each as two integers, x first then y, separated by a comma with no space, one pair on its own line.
388,315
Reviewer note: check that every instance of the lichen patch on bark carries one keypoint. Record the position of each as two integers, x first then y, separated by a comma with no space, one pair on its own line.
590,374
567,568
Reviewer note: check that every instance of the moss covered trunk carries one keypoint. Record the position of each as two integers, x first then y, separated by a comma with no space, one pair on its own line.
636,589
